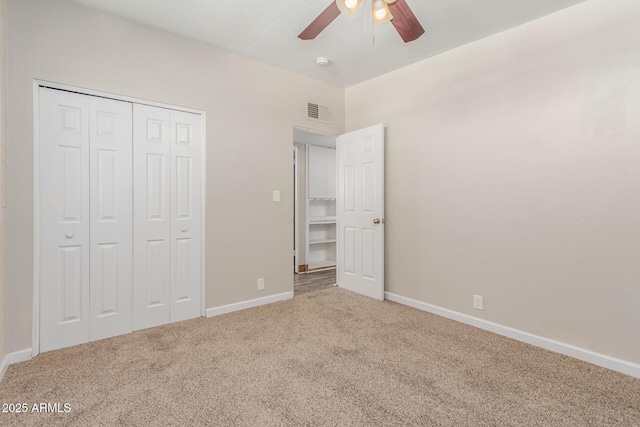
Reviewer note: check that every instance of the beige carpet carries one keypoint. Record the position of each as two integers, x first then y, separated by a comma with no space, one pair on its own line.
324,358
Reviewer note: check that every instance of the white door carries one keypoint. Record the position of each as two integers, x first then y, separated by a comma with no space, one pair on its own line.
167,216
152,216
186,213
89,150
64,219
111,217
360,211
85,218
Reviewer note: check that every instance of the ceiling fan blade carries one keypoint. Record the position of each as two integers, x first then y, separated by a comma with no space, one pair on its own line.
405,21
321,22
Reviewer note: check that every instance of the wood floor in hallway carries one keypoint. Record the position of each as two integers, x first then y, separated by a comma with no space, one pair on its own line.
315,281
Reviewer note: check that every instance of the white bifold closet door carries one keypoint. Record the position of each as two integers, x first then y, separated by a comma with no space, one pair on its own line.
120,211
167,216
85,218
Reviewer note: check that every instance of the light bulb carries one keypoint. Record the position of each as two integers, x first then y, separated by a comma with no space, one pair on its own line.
379,9
380,12
350,3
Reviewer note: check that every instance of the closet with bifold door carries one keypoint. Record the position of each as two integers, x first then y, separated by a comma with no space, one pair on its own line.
120,217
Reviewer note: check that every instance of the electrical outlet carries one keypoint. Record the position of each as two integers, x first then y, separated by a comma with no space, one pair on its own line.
276,195
477,302
261,283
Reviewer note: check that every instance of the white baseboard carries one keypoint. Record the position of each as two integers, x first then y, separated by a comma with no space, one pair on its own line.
608,362
13,358
19,356
3,367
230,308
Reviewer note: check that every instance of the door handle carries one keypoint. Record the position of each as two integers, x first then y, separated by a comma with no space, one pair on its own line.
184,229
69,235
378,221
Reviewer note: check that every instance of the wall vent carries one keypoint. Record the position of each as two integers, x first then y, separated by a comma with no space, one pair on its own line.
318,112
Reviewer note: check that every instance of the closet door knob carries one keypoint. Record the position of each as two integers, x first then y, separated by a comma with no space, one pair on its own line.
69,235
184,229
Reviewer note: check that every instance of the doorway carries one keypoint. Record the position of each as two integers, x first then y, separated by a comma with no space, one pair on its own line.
344,208
314,224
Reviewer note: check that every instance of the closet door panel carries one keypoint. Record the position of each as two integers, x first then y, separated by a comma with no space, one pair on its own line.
186,208
331,173
152,216
111,217
120,212
64,219
317,170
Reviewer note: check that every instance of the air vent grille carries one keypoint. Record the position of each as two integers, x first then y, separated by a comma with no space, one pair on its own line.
312,111
318,112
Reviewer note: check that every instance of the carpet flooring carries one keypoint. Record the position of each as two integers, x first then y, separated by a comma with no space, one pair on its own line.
324,358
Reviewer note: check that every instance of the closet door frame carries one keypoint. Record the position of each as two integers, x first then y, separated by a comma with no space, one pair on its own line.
37,84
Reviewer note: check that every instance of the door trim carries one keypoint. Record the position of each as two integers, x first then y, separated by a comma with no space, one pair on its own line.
35,327
296,210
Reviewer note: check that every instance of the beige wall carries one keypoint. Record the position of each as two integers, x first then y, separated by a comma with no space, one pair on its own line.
513,172
3,187
251,110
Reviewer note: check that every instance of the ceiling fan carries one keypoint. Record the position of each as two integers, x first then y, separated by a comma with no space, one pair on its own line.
396,11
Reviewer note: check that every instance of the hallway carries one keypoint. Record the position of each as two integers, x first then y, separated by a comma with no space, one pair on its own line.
312,282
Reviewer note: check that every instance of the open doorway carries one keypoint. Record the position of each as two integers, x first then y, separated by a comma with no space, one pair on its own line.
314,211
344,230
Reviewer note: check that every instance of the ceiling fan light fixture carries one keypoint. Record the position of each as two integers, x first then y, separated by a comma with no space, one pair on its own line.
380,12
403,19
348,7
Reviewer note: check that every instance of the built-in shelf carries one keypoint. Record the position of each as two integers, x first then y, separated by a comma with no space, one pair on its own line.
321,208
321,264
322,220
319,241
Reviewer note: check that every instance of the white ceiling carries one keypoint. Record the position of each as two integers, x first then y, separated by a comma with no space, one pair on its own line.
267,30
